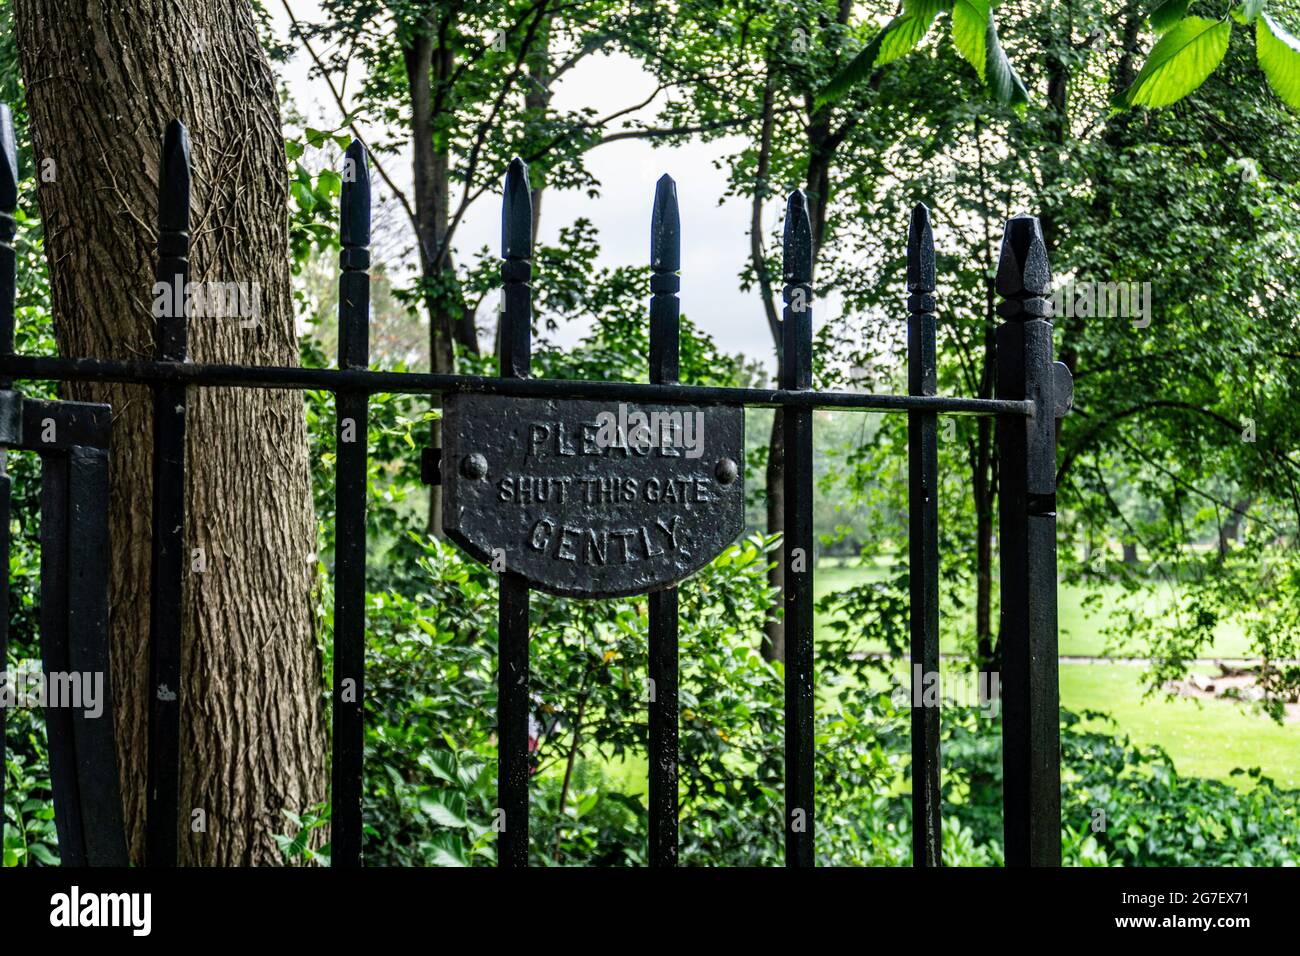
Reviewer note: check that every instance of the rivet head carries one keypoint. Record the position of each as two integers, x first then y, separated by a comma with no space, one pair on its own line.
474,467
726,471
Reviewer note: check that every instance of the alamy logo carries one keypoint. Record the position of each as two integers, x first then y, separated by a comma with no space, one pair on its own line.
1082,299
64,690
961,689
209,300
641,431
77,909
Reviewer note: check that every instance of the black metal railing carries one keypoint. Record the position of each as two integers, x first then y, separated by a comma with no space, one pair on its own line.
1032,392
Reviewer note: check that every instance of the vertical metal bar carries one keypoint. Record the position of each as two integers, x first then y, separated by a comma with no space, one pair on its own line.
8,285
923,542
169,558
88,656
665,261
1027,523
515,336
353,414
60,738
796,373
8,229
4,626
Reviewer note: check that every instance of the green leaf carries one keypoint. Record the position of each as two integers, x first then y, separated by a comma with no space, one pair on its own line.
42,853
1167,13
970,20
329,183
854,72
446,809
306,198
442,763
899,36
1278,53
448,850
902,35
1007,87
1180,62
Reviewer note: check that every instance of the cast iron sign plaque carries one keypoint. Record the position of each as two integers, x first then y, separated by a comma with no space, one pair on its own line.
592,498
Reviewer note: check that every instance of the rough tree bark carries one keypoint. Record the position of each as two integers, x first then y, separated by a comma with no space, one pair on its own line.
103,79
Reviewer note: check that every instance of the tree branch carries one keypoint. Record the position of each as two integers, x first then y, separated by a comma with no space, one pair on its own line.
338,99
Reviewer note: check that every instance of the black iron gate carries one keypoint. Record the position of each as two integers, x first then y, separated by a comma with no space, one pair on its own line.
531,487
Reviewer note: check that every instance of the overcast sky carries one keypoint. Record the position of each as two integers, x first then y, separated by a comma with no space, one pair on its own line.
714,234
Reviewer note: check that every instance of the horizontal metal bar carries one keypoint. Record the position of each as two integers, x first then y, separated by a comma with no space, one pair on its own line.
41,368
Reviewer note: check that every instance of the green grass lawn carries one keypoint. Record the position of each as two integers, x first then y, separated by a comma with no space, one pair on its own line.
1080,627
1204,738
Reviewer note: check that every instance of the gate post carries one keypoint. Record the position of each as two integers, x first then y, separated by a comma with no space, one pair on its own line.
8,282
665,330
169,559
923,541
512,630
350,467
1031,746
796,374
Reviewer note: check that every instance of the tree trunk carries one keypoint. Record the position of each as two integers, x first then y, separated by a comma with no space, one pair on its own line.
537,102
430,63
429,172
427,182
1231,530
103,80
773,646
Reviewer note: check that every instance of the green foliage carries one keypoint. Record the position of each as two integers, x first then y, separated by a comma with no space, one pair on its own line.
974,34
1188,50
1140,812
904,32
1180,62
1199,199
1279,58
298,848
430,747
313,215
29,834
1001,77
970,19
1256,587
1192,47
1122,805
